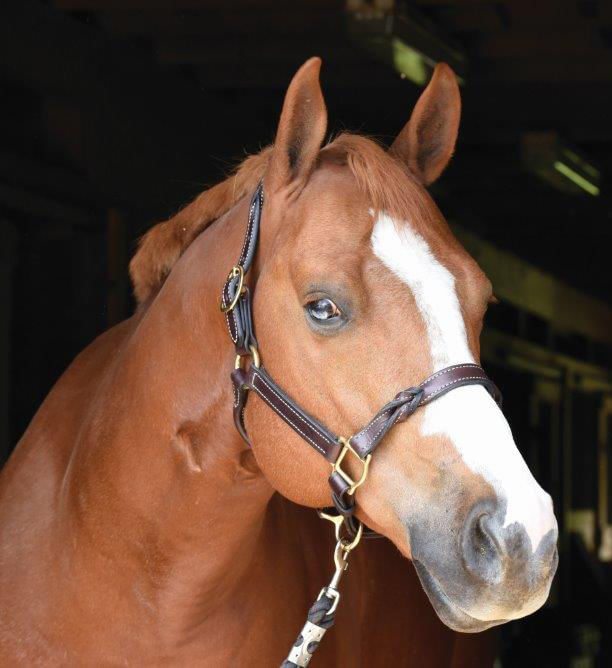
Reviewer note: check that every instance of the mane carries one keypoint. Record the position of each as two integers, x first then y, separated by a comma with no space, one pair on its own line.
385,181
161,247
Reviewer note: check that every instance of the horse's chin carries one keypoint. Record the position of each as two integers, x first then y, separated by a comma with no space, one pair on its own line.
451,614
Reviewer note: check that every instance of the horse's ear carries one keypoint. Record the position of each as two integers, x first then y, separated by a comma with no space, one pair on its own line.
301,130
427,141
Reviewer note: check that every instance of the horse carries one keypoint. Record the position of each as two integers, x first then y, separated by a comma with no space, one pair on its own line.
137,527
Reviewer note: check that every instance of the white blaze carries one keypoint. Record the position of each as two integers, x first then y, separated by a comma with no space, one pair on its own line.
468,416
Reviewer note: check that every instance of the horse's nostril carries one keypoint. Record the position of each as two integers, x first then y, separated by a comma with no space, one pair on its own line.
483,545
485,538
492,551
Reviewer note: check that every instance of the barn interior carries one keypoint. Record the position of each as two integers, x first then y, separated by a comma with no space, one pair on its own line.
115,113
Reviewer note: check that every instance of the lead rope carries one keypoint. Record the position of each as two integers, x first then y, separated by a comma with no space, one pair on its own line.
322,613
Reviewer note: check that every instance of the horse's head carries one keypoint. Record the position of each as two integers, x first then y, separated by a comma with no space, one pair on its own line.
362,291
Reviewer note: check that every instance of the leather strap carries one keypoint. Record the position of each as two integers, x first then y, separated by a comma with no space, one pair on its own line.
310,429
363,442
367,440
403,405
240,326
239,319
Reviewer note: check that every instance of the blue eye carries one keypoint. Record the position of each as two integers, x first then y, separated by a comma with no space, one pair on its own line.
323,310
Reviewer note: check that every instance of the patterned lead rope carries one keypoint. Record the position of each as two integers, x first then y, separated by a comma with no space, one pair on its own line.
319,620
321,615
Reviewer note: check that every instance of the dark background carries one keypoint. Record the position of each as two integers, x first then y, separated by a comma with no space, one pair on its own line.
114,113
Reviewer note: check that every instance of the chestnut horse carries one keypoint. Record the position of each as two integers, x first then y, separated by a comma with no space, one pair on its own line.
137,527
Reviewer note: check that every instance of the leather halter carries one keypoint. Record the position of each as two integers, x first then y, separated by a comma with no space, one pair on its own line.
236,304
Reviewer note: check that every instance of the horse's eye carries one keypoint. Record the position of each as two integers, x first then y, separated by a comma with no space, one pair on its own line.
323,310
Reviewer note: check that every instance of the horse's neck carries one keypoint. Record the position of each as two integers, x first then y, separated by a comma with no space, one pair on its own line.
157,491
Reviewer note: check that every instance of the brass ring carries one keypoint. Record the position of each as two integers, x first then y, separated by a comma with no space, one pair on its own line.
236,271
254,355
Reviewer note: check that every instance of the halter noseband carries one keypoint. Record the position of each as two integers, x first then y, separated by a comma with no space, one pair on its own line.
236,305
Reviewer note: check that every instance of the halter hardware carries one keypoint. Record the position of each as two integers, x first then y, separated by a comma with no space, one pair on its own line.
341,563
236,272
253,353
321,615
349,543
364,461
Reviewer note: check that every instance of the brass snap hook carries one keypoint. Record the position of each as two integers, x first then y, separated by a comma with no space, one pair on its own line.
338,521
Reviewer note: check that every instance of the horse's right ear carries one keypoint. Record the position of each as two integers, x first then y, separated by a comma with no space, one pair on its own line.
300,133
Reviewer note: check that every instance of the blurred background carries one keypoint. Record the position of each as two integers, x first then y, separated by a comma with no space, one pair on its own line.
114,113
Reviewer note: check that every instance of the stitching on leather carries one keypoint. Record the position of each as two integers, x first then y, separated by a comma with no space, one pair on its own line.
292,410
388,414
235,337
318,447
227,318
379,431
250,237
469,365
250,225
453,382
384,425
247,236
371,424
308,424
229,327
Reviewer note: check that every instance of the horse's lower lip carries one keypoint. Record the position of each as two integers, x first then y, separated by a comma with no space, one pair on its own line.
449,613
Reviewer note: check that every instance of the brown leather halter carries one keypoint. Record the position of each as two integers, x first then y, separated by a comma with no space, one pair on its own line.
236,304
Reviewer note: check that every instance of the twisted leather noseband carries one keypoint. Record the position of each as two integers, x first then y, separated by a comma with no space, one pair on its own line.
236,304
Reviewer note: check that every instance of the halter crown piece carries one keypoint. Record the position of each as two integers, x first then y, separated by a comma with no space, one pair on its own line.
236,305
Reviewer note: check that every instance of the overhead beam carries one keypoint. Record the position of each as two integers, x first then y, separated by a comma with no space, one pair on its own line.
538,292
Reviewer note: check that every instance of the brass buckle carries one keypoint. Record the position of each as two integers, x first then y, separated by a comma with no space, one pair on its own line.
365,463
236,271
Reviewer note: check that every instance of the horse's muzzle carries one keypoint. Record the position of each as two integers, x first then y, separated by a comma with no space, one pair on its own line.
486,573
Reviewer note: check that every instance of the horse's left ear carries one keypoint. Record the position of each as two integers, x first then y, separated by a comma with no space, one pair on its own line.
427,141
301,130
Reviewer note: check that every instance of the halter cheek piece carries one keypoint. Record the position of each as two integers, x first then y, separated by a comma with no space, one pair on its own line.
236,305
